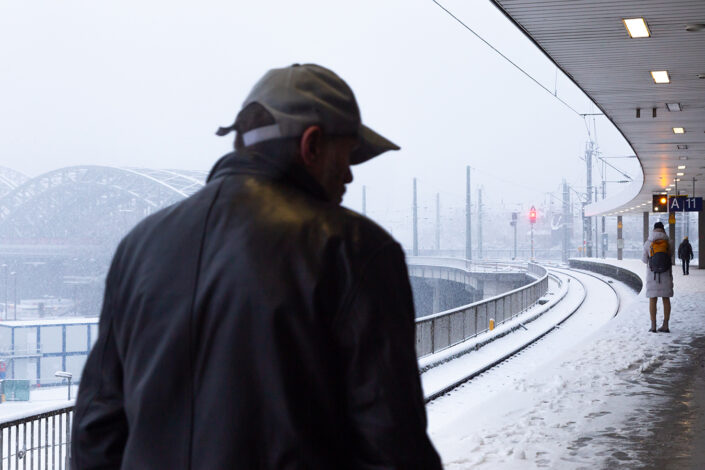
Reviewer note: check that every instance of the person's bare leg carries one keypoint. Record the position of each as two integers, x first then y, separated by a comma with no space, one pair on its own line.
652,312
666,312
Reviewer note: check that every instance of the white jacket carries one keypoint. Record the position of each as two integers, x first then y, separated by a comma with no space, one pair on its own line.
654,288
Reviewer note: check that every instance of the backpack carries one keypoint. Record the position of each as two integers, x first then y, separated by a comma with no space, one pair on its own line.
659,258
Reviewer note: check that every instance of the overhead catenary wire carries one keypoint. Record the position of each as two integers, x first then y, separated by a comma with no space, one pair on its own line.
626,175
555,95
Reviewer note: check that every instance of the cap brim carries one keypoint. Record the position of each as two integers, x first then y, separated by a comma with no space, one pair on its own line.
371,144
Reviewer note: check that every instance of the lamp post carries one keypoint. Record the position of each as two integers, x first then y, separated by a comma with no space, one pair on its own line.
14,287
513,223
6,273
65,375
532,221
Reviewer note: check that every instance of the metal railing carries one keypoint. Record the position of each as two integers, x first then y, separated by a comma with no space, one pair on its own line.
445,329
40,441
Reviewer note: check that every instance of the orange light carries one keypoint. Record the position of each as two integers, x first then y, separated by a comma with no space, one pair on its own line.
663,200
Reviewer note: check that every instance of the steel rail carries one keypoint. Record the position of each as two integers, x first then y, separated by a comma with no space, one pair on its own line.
588,273
455,384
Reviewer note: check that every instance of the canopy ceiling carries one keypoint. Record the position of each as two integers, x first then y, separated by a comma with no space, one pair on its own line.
588,41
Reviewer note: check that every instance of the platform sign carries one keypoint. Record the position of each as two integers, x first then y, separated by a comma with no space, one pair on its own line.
676,203
693,204
685,204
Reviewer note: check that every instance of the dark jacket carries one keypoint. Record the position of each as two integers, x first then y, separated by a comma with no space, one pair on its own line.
254,325
685,250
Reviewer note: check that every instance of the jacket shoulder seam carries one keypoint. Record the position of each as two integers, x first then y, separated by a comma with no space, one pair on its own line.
189,355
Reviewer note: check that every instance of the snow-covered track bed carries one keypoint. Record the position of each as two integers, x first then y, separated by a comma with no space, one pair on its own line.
585,292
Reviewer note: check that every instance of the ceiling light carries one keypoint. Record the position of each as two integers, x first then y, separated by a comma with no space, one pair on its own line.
660,76
680,173
674,107
682,147
636,27
668,189
681,167
678,179
678,130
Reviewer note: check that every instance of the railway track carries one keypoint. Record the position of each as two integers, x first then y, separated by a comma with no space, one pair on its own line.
574,276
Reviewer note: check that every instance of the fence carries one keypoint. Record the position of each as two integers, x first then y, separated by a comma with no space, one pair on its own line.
445,329
40,441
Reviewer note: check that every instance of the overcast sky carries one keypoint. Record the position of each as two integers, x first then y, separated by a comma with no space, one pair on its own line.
146,84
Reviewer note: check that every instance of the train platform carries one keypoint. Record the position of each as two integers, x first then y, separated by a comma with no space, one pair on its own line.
673,377
617,397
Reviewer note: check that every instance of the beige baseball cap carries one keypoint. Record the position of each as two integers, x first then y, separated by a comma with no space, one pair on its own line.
304,95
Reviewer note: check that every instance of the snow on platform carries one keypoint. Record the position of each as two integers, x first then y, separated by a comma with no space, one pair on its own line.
620,398
41,400
50,321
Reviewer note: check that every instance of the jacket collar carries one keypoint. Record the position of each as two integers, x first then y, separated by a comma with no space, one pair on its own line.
658,234
269,161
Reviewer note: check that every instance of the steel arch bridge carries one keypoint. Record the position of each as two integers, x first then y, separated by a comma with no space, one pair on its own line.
93,205
10,180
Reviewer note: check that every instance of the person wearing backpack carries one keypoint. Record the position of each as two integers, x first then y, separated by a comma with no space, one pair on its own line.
685,253
658,254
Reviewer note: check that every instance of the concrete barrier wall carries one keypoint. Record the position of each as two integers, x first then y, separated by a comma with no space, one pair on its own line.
624,275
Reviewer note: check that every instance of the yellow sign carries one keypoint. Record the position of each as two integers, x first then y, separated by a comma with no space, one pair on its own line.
672,218
619,224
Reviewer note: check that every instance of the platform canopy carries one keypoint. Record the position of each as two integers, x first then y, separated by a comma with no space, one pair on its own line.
589,41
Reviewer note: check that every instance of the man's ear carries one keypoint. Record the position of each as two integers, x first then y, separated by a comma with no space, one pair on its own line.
310,145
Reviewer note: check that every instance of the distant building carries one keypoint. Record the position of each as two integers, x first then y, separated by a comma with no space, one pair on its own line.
35,349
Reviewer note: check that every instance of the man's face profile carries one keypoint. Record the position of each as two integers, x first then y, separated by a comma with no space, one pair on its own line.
336,172
327,159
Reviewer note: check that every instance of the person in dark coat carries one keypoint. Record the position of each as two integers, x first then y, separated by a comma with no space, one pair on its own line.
685,253
258,324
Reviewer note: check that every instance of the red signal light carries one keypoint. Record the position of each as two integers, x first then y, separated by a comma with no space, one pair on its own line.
532,215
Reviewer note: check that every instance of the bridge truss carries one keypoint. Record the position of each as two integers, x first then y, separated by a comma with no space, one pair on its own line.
88,204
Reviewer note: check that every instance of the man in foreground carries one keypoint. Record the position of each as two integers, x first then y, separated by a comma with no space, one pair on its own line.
258,324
